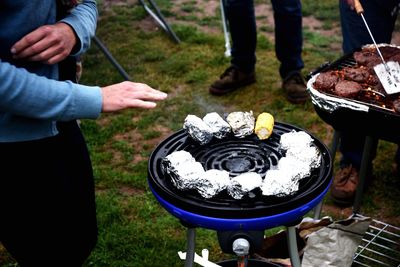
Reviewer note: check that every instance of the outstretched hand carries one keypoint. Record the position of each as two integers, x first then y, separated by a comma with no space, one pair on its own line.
48,44
130,95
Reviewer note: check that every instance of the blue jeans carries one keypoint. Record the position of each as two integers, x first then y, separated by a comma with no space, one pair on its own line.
288,34
381,17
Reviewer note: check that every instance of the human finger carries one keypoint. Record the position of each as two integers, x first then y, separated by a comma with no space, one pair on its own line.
138,103
149,95
129,95
56,44
141,87
51,55
28,40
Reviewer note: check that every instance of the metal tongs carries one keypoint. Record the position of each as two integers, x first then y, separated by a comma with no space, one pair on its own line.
387,72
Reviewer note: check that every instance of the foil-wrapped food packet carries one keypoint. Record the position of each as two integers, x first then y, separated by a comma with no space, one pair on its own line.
298,169
310,155
212,182
242,123
295,139
219,127
243,184
184,170
300,145
279,182
197,129
301,156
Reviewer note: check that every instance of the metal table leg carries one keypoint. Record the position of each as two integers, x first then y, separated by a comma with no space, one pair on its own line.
191,243
107,53
225,28
365,161
159,18
335,143
292,246
317,210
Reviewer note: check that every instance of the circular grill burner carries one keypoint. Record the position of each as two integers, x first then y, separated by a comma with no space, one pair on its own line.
236,156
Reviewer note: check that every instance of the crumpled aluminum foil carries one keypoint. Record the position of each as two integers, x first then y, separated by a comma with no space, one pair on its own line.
310,155
298,169
184,170
198,129
242,123
219,127
176,158
279,182
301,157
212,182
242,184
331,103
295,139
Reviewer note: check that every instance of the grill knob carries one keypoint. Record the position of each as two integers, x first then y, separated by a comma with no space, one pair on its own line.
241,247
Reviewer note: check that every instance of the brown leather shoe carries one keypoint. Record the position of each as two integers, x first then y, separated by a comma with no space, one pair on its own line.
230,80
295,88
344,186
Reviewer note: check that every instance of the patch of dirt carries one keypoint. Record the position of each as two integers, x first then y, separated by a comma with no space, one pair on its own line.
202,8
106,4
149,24
130,191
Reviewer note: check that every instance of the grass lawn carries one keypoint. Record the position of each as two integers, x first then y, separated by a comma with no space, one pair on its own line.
134,230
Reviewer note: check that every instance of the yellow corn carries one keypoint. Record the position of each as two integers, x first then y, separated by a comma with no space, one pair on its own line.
264,125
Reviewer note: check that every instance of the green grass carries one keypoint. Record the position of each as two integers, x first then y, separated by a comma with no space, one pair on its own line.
134,230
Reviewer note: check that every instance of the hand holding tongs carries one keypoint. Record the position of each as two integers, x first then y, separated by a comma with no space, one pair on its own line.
388,75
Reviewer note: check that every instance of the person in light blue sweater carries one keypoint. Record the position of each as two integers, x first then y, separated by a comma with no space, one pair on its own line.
48,215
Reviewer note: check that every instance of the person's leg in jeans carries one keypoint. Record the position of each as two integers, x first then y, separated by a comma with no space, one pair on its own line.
243,29
288,35
288,48
381,19
242,25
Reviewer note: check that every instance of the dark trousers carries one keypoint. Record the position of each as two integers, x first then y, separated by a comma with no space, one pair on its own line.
288,34
381,17
47,204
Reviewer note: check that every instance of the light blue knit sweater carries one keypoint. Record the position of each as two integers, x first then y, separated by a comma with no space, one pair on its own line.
31,98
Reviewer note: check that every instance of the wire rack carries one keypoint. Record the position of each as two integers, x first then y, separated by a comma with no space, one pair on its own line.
380,246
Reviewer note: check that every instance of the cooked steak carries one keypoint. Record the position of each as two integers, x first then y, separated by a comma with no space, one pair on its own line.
347,89
389,51
326,80
356,74
364,57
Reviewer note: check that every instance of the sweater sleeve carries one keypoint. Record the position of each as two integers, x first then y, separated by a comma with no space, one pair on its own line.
29,95
83,19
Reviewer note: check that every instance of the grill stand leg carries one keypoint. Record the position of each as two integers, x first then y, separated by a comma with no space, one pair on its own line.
292,246
363,173
317,210
191,242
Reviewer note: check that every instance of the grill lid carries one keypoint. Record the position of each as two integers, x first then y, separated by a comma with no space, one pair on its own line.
236,156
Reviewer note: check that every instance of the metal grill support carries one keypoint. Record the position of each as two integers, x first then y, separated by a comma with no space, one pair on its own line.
380,246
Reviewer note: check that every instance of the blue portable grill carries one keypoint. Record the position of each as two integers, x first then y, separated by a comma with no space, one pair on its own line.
237,156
